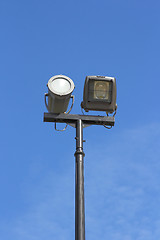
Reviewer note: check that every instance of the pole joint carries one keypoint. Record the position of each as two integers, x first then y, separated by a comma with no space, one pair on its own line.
79,151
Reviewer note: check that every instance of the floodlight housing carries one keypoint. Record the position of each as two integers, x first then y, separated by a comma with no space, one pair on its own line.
60,88
99,94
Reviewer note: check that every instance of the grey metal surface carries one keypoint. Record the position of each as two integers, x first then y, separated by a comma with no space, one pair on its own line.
72,119
56,104
79,184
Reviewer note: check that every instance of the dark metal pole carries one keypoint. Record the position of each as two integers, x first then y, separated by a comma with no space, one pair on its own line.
79,184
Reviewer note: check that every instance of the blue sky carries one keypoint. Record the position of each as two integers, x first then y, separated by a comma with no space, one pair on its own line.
40,39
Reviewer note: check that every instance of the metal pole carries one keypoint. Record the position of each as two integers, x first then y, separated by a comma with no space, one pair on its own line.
79,121
79,184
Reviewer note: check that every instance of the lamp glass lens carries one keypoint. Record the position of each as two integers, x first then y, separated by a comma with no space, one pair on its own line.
101,90
61,85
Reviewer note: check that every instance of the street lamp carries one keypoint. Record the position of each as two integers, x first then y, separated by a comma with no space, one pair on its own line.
99,95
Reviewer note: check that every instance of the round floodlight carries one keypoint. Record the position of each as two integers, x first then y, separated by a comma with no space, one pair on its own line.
60,85
60,88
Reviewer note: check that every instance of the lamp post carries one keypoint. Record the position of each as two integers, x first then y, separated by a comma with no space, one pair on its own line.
79,184
99,94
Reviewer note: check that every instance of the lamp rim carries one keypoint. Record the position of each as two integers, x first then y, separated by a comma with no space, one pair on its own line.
72,86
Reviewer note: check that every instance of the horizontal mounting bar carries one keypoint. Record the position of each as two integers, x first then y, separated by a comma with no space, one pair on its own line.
72,119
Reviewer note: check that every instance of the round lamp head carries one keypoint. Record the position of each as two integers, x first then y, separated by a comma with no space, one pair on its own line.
60,88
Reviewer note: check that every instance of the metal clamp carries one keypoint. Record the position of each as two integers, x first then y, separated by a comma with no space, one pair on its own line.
45,100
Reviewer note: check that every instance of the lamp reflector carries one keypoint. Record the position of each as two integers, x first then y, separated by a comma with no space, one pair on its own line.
101,90
61,85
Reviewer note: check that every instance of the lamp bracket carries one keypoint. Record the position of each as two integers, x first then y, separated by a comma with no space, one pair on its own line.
87,120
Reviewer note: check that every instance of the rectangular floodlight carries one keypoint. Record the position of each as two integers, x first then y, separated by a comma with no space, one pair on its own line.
99,94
